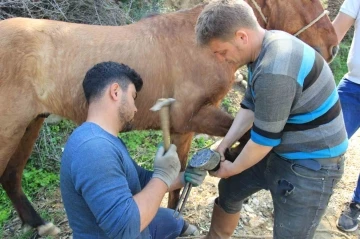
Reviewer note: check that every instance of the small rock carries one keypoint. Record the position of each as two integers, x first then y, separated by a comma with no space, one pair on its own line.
53,119
239,77
255,201
256,221
244,83
204,136
248,208
211,200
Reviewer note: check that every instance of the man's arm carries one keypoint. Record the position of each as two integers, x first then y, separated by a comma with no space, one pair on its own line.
274,96
166,168
102,182
341,24
249,156
149,200
242,123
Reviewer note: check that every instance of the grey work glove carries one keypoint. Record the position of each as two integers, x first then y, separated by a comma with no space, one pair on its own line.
194,176
166,166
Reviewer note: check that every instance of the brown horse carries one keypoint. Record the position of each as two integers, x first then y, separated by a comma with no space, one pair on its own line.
43,63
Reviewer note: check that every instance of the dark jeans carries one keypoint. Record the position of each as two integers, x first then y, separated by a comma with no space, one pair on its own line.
165,225
349,93
300,195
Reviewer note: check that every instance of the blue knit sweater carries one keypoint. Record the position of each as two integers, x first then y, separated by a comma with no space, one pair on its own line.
98,180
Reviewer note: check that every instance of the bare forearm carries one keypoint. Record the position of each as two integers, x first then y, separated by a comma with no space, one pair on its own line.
249,156
341,24
242,123
149,199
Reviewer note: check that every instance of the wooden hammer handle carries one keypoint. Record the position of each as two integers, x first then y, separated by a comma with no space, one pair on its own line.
165,126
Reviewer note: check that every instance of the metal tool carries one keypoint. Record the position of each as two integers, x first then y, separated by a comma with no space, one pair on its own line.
205,159
163,105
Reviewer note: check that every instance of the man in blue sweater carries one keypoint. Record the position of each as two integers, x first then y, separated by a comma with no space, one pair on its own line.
292,107
105,193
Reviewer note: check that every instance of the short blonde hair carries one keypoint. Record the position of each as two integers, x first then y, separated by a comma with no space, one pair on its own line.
220,19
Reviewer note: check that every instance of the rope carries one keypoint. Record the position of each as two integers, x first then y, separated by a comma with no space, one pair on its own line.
311,23
302,29
259,10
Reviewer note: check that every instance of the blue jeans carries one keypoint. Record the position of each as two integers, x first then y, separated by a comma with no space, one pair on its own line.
165,225
349,93
300,195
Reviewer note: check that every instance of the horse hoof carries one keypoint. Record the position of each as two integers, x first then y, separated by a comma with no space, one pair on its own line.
48,229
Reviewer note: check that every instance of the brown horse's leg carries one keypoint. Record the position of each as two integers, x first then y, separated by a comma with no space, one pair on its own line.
11,181
183,143
212,121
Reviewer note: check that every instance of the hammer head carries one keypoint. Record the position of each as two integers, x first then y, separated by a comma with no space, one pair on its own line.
161,103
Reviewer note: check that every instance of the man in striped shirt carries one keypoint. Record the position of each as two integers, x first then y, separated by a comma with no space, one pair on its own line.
292,107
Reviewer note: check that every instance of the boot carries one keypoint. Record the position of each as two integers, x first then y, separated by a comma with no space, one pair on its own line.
223,224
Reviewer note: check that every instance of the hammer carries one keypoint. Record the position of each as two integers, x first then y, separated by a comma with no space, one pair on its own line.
163,105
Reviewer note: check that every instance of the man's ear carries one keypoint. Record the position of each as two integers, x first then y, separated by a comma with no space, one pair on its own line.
241,36
115,91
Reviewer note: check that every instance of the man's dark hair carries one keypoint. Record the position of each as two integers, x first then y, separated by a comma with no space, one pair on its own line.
105,73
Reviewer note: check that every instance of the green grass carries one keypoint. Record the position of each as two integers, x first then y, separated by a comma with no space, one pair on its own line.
338,65
42,169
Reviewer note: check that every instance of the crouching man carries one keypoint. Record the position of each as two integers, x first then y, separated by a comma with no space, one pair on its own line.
105,193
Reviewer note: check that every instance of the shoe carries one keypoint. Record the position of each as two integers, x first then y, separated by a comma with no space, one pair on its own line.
189,230
348,220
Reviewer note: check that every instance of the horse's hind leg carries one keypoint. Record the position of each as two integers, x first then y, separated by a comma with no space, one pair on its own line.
11,181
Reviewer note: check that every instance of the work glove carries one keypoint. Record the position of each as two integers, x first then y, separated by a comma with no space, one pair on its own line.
194,176
166,166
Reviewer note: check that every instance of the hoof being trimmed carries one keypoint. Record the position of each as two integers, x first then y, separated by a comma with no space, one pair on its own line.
48,229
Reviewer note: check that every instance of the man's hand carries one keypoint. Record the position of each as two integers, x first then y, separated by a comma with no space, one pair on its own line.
221,150
166,166
194,176
226,170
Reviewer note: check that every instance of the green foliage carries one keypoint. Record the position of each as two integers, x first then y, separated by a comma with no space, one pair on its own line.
200,143
338,65
229,103
142,146
42,169
49,145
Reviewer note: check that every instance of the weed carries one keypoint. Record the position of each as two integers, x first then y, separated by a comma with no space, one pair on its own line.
339,65
142,146
42,169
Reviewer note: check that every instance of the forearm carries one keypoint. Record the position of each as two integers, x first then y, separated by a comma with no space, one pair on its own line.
149,199
242,123
341,24
249,156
